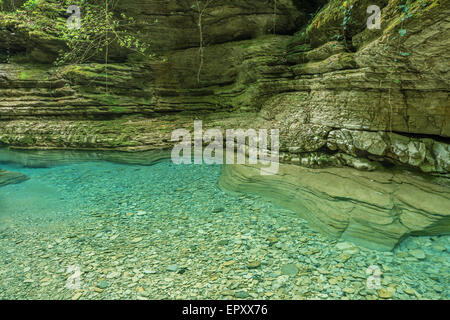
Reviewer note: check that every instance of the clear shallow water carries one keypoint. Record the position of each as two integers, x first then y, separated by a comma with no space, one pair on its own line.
168,232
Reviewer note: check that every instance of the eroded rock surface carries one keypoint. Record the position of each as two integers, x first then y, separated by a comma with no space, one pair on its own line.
373,209
353,96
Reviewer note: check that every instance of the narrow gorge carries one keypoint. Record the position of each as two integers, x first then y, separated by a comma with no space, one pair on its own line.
362,112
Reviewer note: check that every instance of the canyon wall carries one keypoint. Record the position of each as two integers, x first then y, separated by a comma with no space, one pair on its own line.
341,97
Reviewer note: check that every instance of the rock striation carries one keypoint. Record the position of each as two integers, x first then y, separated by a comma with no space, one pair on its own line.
350,96
372,209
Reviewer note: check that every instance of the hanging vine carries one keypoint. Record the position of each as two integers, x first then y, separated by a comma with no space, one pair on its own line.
405,8
107,46
275,3
201,6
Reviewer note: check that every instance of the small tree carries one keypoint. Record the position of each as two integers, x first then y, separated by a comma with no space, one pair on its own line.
100,28
201,6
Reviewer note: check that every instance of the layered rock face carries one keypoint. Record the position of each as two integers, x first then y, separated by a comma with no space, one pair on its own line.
50,158
381,95
342,95
45,107
373,209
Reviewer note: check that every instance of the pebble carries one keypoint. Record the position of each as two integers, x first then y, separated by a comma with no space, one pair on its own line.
241,294
172,268
77,296
384,293
344,257
103,284
149,271
348,290
289,270
438,247
417,253
409,291
136,240
344,246
227,293
253,264
113,274
223,242
228,263
333,281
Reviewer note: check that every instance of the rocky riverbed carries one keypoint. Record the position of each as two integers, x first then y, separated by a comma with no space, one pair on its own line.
169,232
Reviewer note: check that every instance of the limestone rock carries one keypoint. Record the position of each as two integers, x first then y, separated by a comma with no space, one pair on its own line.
373,209
344,95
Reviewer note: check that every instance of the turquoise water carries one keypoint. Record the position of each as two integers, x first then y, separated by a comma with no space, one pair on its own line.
168,232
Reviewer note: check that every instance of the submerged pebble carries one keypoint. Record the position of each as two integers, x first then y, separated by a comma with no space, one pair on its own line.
169,232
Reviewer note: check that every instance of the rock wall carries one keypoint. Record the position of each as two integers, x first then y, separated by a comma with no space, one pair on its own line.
341,97
381,95
41,106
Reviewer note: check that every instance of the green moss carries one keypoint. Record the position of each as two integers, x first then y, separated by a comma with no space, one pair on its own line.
109,99
118,109
24,75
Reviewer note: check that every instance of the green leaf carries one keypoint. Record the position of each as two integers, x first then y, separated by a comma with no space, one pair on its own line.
402,32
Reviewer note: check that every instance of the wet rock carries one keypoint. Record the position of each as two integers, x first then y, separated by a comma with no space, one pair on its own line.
102,284
417,253
136,240
289,270
253,264
384,293
241,294
172,268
